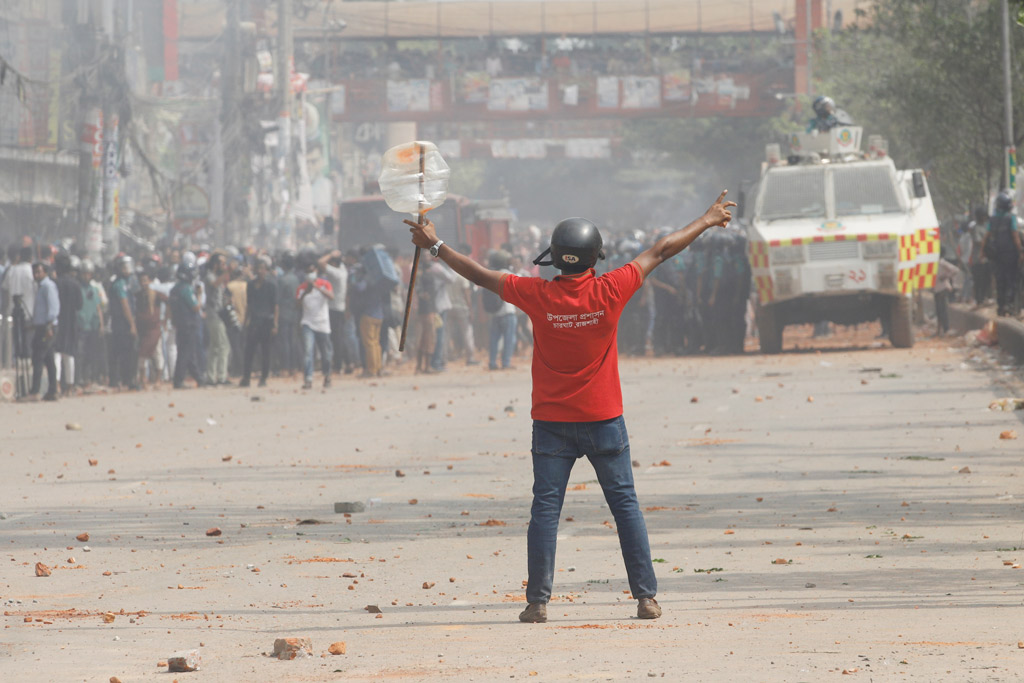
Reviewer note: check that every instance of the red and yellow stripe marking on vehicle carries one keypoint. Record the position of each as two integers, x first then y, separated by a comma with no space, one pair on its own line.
919,260
927,257
765,293
758,255
797,241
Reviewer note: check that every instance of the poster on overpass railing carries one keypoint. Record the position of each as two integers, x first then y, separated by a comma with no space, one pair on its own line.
475,87
641,92
409,95
608,92
518,94
676,86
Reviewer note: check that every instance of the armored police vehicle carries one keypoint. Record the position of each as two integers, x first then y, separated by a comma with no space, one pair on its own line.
839,235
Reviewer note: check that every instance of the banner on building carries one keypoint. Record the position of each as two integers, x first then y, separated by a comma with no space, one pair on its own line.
588,148
519,149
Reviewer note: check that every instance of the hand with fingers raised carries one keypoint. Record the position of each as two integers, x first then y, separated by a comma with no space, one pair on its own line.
718,213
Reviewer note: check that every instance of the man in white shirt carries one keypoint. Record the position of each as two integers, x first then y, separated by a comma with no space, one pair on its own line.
19,281
335,272
314,296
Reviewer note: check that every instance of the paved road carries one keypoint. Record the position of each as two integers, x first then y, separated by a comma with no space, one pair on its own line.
810,513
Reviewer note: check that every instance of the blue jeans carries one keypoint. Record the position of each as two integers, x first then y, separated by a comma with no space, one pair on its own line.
503,331
556,447
323,342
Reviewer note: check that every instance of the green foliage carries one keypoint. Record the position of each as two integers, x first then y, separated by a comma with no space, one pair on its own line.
927,75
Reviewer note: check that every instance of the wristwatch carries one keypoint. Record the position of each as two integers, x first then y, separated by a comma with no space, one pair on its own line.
436,248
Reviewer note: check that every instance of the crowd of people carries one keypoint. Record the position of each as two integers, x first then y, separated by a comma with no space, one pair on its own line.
988,251
217,316
172,314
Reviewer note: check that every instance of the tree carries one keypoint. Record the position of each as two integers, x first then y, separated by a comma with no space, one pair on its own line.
927,74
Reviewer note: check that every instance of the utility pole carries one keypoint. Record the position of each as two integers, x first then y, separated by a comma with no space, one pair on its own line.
809,45
283,80
231,129
1010,164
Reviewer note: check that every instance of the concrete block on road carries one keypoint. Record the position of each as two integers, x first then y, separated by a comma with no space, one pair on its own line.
349,507
185,661
293,648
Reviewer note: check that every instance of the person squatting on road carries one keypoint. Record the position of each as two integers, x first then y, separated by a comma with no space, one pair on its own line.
577,396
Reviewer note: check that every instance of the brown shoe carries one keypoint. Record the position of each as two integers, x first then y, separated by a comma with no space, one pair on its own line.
535,613
648,609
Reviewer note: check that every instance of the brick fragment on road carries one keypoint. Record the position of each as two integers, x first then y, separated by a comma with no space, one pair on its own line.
83,537
337,648
293,648
42,569
215,531
189,660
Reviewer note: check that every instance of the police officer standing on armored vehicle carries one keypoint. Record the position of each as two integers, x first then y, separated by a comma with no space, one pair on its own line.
826,116
577,397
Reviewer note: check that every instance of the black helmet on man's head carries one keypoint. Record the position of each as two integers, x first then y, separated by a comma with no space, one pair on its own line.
823,106
575,246
1004,201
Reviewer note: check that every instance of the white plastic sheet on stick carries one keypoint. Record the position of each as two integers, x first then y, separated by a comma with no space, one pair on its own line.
400,178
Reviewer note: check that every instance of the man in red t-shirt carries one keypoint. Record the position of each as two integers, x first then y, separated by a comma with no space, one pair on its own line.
577,398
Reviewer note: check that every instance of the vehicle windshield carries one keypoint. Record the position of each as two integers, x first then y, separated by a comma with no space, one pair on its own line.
794,193
864,190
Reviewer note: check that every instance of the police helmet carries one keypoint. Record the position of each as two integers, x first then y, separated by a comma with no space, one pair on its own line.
575,246
185,272
824,106
1004,201
124,265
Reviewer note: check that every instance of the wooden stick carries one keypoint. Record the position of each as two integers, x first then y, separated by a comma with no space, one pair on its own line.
416,256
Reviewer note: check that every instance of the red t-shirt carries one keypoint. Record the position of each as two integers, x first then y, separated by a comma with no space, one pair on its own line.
575,350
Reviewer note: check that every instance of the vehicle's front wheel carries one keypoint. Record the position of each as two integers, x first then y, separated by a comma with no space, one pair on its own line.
769,330
901,324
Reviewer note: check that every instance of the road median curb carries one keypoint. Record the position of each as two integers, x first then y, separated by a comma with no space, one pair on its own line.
1011,332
